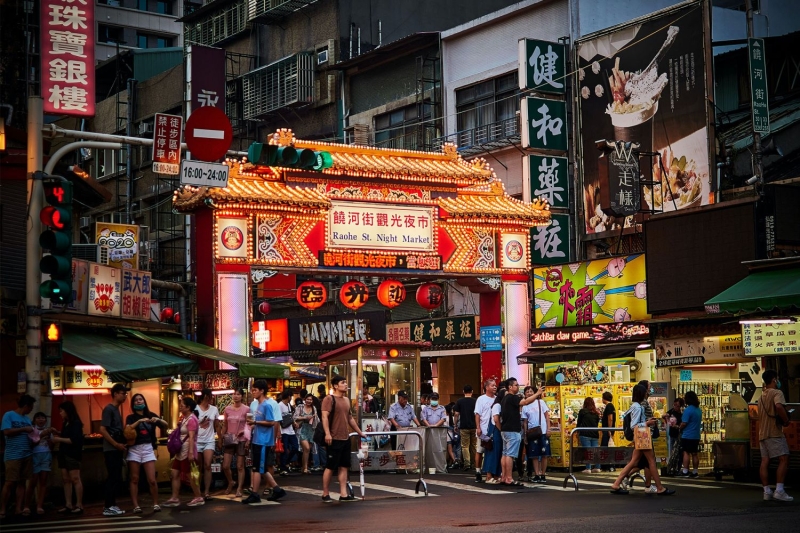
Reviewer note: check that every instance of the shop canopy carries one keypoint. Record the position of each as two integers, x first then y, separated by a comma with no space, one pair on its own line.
560,353
248,367
765,291
125,361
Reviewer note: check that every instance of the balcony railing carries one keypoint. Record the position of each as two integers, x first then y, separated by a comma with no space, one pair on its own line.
217,26
287,82
483,138
273,11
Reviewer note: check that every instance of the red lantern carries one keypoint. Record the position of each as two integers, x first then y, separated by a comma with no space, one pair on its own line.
264,308
176,318
166,314
430,296
391,293
354,295
312,295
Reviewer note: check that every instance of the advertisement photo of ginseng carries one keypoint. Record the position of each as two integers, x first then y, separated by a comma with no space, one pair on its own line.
644,83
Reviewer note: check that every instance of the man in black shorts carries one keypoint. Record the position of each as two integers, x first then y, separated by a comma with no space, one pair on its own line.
337,422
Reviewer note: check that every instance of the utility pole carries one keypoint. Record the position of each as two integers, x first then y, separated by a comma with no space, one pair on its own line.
759,171
33,301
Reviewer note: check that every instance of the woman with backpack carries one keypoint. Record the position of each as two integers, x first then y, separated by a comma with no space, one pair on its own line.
234,441
636,419
186,455
306,416
142,454
589,416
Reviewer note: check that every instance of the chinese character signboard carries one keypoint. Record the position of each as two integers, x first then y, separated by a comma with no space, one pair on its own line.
451,330
122,241
542,66
544,124
67,41
167,144
646,84
550,245
491,338
382,260
771,339
136,294
619,169
398,332
546,178
594,292
205,76
69,377
758,85
104,290
380,226
698,350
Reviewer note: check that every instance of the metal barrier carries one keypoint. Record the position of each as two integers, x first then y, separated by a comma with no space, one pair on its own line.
420,435
628,451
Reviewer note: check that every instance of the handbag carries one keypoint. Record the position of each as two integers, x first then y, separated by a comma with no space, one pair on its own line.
535,432
130,435
319,431
229,440
642,439
174,442
195,473
287,420
279,446
488,444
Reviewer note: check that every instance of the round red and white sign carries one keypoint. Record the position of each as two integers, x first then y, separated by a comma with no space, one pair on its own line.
208,134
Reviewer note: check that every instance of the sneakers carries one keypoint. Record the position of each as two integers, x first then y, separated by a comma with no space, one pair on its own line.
650,490
113,511
694,474
348,498
684,474
252,498
327,499
197,502
284,473
781,496
768,495
478,478
277,494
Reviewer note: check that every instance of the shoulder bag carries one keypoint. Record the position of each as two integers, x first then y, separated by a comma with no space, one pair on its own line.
319,431
174,442
535,432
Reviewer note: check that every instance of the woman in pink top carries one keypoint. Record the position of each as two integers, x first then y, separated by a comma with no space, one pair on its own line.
234,422
182,463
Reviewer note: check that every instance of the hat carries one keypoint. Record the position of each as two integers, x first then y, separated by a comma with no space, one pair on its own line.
435,396
119,387
403,393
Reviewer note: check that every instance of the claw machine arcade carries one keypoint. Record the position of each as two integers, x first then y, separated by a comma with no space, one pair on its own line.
379,369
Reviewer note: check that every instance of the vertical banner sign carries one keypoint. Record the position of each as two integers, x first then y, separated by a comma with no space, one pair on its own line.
546,178
550,245
620,170
205,77
758,85
542,66
645,84
67,44
167,144
136,294
544,124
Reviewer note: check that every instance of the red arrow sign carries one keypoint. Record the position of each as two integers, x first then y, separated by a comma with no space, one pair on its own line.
208,134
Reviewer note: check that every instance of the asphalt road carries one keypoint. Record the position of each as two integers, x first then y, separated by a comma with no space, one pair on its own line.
456,503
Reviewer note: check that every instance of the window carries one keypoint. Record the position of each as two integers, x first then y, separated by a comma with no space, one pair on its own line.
400,128
488,110
110,34
105,163
146,40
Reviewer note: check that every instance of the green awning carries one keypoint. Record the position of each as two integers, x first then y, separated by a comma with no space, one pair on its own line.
765,291
125,361
248,367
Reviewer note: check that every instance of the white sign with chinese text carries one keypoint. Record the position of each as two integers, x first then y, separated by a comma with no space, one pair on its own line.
136,294
380,226
167,144
104,290
771,339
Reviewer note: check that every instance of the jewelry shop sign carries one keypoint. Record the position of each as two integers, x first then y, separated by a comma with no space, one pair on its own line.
380,226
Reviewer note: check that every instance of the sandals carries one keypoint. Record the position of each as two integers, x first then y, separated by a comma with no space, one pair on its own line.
492,481
196,502
65,510
619,491
137,510
156,508
77,510
26,512
39,511
207,496
666,492
231,486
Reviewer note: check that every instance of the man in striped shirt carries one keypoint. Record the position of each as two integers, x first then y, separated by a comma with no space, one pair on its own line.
18,455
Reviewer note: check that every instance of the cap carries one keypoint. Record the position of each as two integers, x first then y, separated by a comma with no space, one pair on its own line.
119,387
403,393
435,396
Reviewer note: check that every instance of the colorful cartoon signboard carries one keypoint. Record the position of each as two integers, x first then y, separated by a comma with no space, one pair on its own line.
594,292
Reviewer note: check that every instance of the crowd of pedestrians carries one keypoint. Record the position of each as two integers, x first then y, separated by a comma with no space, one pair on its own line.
494,434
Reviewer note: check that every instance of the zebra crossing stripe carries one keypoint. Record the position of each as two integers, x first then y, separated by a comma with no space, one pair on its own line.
460,486
80,524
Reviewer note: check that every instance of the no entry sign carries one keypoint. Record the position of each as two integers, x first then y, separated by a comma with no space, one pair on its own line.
208,134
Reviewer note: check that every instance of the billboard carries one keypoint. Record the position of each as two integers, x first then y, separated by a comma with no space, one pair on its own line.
122,241
594,292
645,83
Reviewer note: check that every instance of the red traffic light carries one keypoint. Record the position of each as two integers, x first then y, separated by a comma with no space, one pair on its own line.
55,217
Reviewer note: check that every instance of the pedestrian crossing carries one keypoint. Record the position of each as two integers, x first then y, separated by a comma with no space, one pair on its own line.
121,524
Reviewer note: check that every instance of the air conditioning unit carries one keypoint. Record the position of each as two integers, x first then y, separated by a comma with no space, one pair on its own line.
91,252
145,128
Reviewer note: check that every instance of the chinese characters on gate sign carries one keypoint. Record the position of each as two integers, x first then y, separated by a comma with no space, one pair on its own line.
547,242
549,182
67,43
167,144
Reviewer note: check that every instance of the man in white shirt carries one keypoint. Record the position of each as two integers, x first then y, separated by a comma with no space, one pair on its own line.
535,415
288,435
483,417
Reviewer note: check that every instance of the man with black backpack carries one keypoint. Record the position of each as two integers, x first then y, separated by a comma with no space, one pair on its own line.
337,421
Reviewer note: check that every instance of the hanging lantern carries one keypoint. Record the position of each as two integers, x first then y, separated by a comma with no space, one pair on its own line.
354,295
264,308
430,296
391,293
312,295
176,318
166,314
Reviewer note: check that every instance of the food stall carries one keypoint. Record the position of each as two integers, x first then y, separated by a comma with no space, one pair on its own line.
382,369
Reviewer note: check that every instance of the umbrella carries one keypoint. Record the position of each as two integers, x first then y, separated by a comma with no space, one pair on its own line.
313,372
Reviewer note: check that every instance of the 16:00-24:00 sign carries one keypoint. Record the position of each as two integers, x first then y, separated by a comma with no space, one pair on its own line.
206,174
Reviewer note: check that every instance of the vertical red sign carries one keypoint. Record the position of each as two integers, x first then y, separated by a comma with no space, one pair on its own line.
167,144
67,44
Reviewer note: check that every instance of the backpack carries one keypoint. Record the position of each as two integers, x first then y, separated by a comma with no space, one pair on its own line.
319,431
627,430
174,442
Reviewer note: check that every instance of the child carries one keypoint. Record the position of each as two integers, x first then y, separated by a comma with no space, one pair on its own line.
42,458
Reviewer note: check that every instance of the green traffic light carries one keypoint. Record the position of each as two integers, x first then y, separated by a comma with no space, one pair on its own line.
288,157
56,290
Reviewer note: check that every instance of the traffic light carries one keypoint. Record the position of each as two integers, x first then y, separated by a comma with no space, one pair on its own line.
51,341
57,240
271,155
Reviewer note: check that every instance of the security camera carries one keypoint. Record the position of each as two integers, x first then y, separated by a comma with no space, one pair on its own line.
752,180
